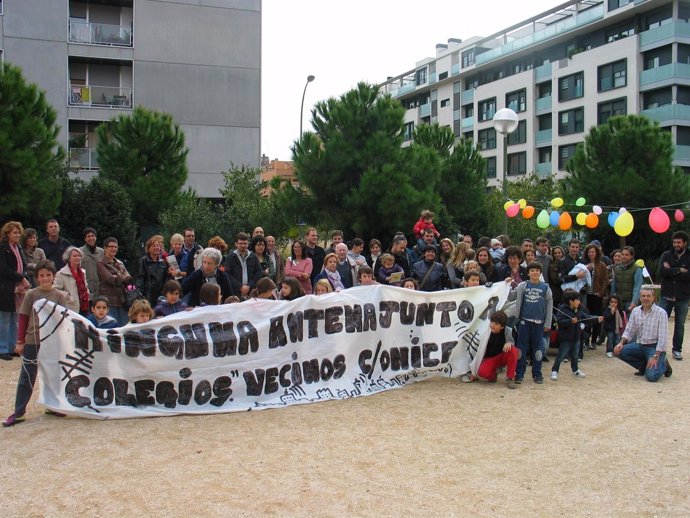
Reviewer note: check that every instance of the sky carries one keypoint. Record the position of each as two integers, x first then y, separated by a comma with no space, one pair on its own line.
342,42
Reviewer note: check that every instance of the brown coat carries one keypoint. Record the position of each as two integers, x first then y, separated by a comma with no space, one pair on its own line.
114,279
601,279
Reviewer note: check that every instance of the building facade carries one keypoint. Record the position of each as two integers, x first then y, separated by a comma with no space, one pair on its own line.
562,71
198,60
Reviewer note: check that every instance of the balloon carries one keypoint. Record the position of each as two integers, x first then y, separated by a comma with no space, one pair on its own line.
543,219
553,218
640,263
679,215
622,210
659,221
557,202
597,210
507,204
580,202
581,218
592,220
613,216
624,224
513,210
522,202
528,212
565,221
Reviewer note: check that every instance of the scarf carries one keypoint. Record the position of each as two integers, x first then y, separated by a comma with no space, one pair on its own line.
78,275
619,322
334,279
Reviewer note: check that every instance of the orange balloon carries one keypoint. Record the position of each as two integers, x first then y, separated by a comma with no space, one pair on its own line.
592,220
565,221
528,212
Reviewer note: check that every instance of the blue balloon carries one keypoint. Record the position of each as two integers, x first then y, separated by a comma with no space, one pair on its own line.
613,216
553,218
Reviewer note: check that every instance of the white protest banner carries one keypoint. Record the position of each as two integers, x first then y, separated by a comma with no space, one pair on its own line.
262,353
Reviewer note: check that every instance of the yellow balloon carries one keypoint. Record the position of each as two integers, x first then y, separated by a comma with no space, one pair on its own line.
640,263
624,224
557,202
581,218
522,202
508,204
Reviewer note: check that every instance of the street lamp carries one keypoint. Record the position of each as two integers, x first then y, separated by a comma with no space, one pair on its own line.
505,122
301,109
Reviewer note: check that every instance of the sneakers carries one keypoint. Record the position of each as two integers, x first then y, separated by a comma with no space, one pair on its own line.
538,380
554,376
466,378
517,381
579,374
609,355
510,383
677,355
13,419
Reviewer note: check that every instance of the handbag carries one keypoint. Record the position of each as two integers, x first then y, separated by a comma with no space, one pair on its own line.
133,294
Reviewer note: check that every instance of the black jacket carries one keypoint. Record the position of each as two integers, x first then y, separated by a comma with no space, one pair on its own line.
674,283
233,268
193,283
9,276
152,276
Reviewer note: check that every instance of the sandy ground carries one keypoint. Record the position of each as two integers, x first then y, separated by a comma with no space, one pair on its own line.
609,445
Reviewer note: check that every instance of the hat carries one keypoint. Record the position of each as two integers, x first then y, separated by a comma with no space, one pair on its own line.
495,241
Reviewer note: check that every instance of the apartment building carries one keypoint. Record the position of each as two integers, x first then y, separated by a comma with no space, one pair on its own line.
562,71
198,60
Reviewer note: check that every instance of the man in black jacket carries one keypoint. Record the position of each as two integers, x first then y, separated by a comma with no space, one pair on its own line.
674,269
242,267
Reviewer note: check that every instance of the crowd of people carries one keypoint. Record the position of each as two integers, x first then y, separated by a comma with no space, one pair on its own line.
574,298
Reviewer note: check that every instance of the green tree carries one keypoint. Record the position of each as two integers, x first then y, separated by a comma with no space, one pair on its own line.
208,219
145,153
628,162
440,138
32,163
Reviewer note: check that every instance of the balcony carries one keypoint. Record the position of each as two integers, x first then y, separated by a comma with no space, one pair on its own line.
467,96
668,113
665,74
543,136
99,34
409,87
425,110
455,69
467,122
83,159
432,78
100,96
543,104
682,153
664,33
543,72
543,170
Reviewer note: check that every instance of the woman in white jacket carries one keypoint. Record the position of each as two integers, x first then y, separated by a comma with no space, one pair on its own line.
72,279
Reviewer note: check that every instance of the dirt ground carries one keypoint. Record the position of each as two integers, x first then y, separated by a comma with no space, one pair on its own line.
608,445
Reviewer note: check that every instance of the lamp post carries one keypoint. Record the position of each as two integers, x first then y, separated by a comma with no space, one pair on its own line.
505,122
310,78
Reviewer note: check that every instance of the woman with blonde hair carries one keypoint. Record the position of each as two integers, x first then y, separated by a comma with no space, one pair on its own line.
153,270
456,263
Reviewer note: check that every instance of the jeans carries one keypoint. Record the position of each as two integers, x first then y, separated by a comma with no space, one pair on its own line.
636,355
612,341
566,349
27,379
8,331
530,339
681,308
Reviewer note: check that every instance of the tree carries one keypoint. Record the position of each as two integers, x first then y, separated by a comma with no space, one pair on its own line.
440,138
628,162
145,153
208,219
32,163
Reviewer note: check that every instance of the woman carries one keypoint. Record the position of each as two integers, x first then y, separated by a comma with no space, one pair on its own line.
209,273
487,265
330,272
258,247
114,279
299,266
153,270
32,253
177,251
13,284
374,252
72,279
597,290
557,253
446,250
456,264
219,244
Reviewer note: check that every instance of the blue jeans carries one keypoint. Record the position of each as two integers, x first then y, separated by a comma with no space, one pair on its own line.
612,341
530,338
566,349
27,378
636,355
8,332
681,308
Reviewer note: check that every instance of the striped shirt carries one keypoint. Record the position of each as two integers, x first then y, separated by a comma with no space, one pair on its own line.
648,327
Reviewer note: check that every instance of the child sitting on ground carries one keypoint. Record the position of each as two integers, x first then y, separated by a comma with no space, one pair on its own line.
172,303
426,220
365,276
140,312
389,272
99,314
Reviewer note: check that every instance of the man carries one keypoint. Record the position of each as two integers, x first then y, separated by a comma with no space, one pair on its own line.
643,344
526,245
566,265
242,267
314,252
543,256
675,287
336,237
191,252
467,239
627,279
276,265
428,237
53,245
258,231
398,250
346,267
431,275
90,255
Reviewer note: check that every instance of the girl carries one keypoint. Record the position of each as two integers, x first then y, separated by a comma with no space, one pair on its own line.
389,270
614,323
410,284
322,287
265,289
140,312
291,289
210,295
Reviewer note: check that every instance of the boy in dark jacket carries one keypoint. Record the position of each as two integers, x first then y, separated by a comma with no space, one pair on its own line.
99,314
172,303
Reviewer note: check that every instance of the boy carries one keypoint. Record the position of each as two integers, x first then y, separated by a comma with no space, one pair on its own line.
172,303
569,318
534,310
99,314
29,339
365,276
500,351
471,279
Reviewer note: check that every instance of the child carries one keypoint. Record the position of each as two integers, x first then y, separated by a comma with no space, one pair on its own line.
500,351
389,271
614,323
291,288
473,266
426,220
471,279
172,303
99,314
265,289
232,299
365,276
140,312
534,310
210,294
569,318
29,339
322,287
410,284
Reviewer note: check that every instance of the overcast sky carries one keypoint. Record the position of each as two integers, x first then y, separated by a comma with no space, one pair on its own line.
342,42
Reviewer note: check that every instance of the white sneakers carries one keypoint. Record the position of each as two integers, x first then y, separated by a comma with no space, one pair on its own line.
579,374
609,355
554,376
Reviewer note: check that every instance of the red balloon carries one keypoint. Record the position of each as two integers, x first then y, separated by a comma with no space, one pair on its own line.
513,210
659,221
679,215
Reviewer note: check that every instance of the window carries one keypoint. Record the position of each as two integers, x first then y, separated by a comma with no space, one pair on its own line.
571,87
571,121
445,102
408,130
468,58
544,90
684,11
517,101
487,109
468,111
486,139
456,127
616,4
609,109
619,33
468,135
658,57
683,95
491,167
517,163
683,136
565,153
544,155
519,136
612,75
420,76
544,122
658,18
442,76
656,98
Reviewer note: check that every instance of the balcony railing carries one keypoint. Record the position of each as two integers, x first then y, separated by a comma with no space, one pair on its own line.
101,96
543,104
669,72
543,136
84,158
668,112
99,34
668,31
543,170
